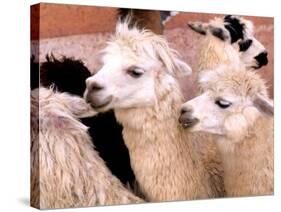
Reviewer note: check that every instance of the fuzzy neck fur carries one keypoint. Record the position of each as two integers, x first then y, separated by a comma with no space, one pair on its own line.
248,164
162,156
214,52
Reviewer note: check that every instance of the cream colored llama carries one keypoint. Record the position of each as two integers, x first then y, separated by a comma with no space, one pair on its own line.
236,108
66,171
137,81
229,40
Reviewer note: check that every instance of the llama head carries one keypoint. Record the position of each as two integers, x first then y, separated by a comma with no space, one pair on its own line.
232,101
133,61
238,32
252,53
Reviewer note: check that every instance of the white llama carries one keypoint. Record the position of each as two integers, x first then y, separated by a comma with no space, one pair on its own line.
137,81
235,107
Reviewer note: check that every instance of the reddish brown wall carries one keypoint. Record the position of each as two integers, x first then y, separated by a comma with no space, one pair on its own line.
61,20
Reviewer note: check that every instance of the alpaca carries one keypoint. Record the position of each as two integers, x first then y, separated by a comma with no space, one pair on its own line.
166,16
69,75
229,40
66,171
137,80
235,107
153,20
65,74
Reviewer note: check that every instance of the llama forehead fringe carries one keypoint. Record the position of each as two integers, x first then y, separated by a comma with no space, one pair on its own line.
241,81
141,43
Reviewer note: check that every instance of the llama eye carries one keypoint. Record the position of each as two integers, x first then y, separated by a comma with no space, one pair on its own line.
135,72
222,103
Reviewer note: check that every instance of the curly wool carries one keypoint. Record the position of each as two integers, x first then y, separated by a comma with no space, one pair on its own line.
167,163
247,146
66,171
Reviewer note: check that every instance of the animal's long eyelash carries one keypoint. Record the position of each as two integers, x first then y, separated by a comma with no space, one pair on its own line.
135,71
222,103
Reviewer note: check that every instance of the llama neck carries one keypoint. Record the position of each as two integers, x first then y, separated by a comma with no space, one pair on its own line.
165,109
253,157
215,52
161,156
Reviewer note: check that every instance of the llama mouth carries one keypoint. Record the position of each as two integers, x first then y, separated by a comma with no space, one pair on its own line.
256,67
188,123
97,105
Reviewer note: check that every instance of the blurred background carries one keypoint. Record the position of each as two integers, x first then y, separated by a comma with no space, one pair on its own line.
81,31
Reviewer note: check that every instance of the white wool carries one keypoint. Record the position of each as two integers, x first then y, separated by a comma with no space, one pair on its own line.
66,171
167,162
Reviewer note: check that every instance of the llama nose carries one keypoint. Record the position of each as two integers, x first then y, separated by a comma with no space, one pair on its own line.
262,59
94,86
186,119
186,110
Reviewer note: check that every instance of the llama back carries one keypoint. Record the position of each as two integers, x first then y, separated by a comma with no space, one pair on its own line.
71,172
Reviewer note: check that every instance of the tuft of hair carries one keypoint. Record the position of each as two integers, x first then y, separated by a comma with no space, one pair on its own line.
65,74
145,42
74,104
244,83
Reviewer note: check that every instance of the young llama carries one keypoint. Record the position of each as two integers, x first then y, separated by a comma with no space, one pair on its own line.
235,107
137,80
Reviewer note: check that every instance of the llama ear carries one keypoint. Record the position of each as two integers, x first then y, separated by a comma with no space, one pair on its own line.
198,27
170,60
219,32
264,105
183,68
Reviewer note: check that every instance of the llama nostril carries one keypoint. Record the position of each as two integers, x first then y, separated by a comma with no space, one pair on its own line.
262,59
94,86
186,110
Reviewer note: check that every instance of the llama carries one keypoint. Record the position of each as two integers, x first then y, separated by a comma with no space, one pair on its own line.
148,19
137,80
153,20
167,15
229,39
66,171
69,75
65,74
235,107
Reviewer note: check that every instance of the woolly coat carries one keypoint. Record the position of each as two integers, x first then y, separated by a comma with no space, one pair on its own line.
66,171
165,158
248,165
247,146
